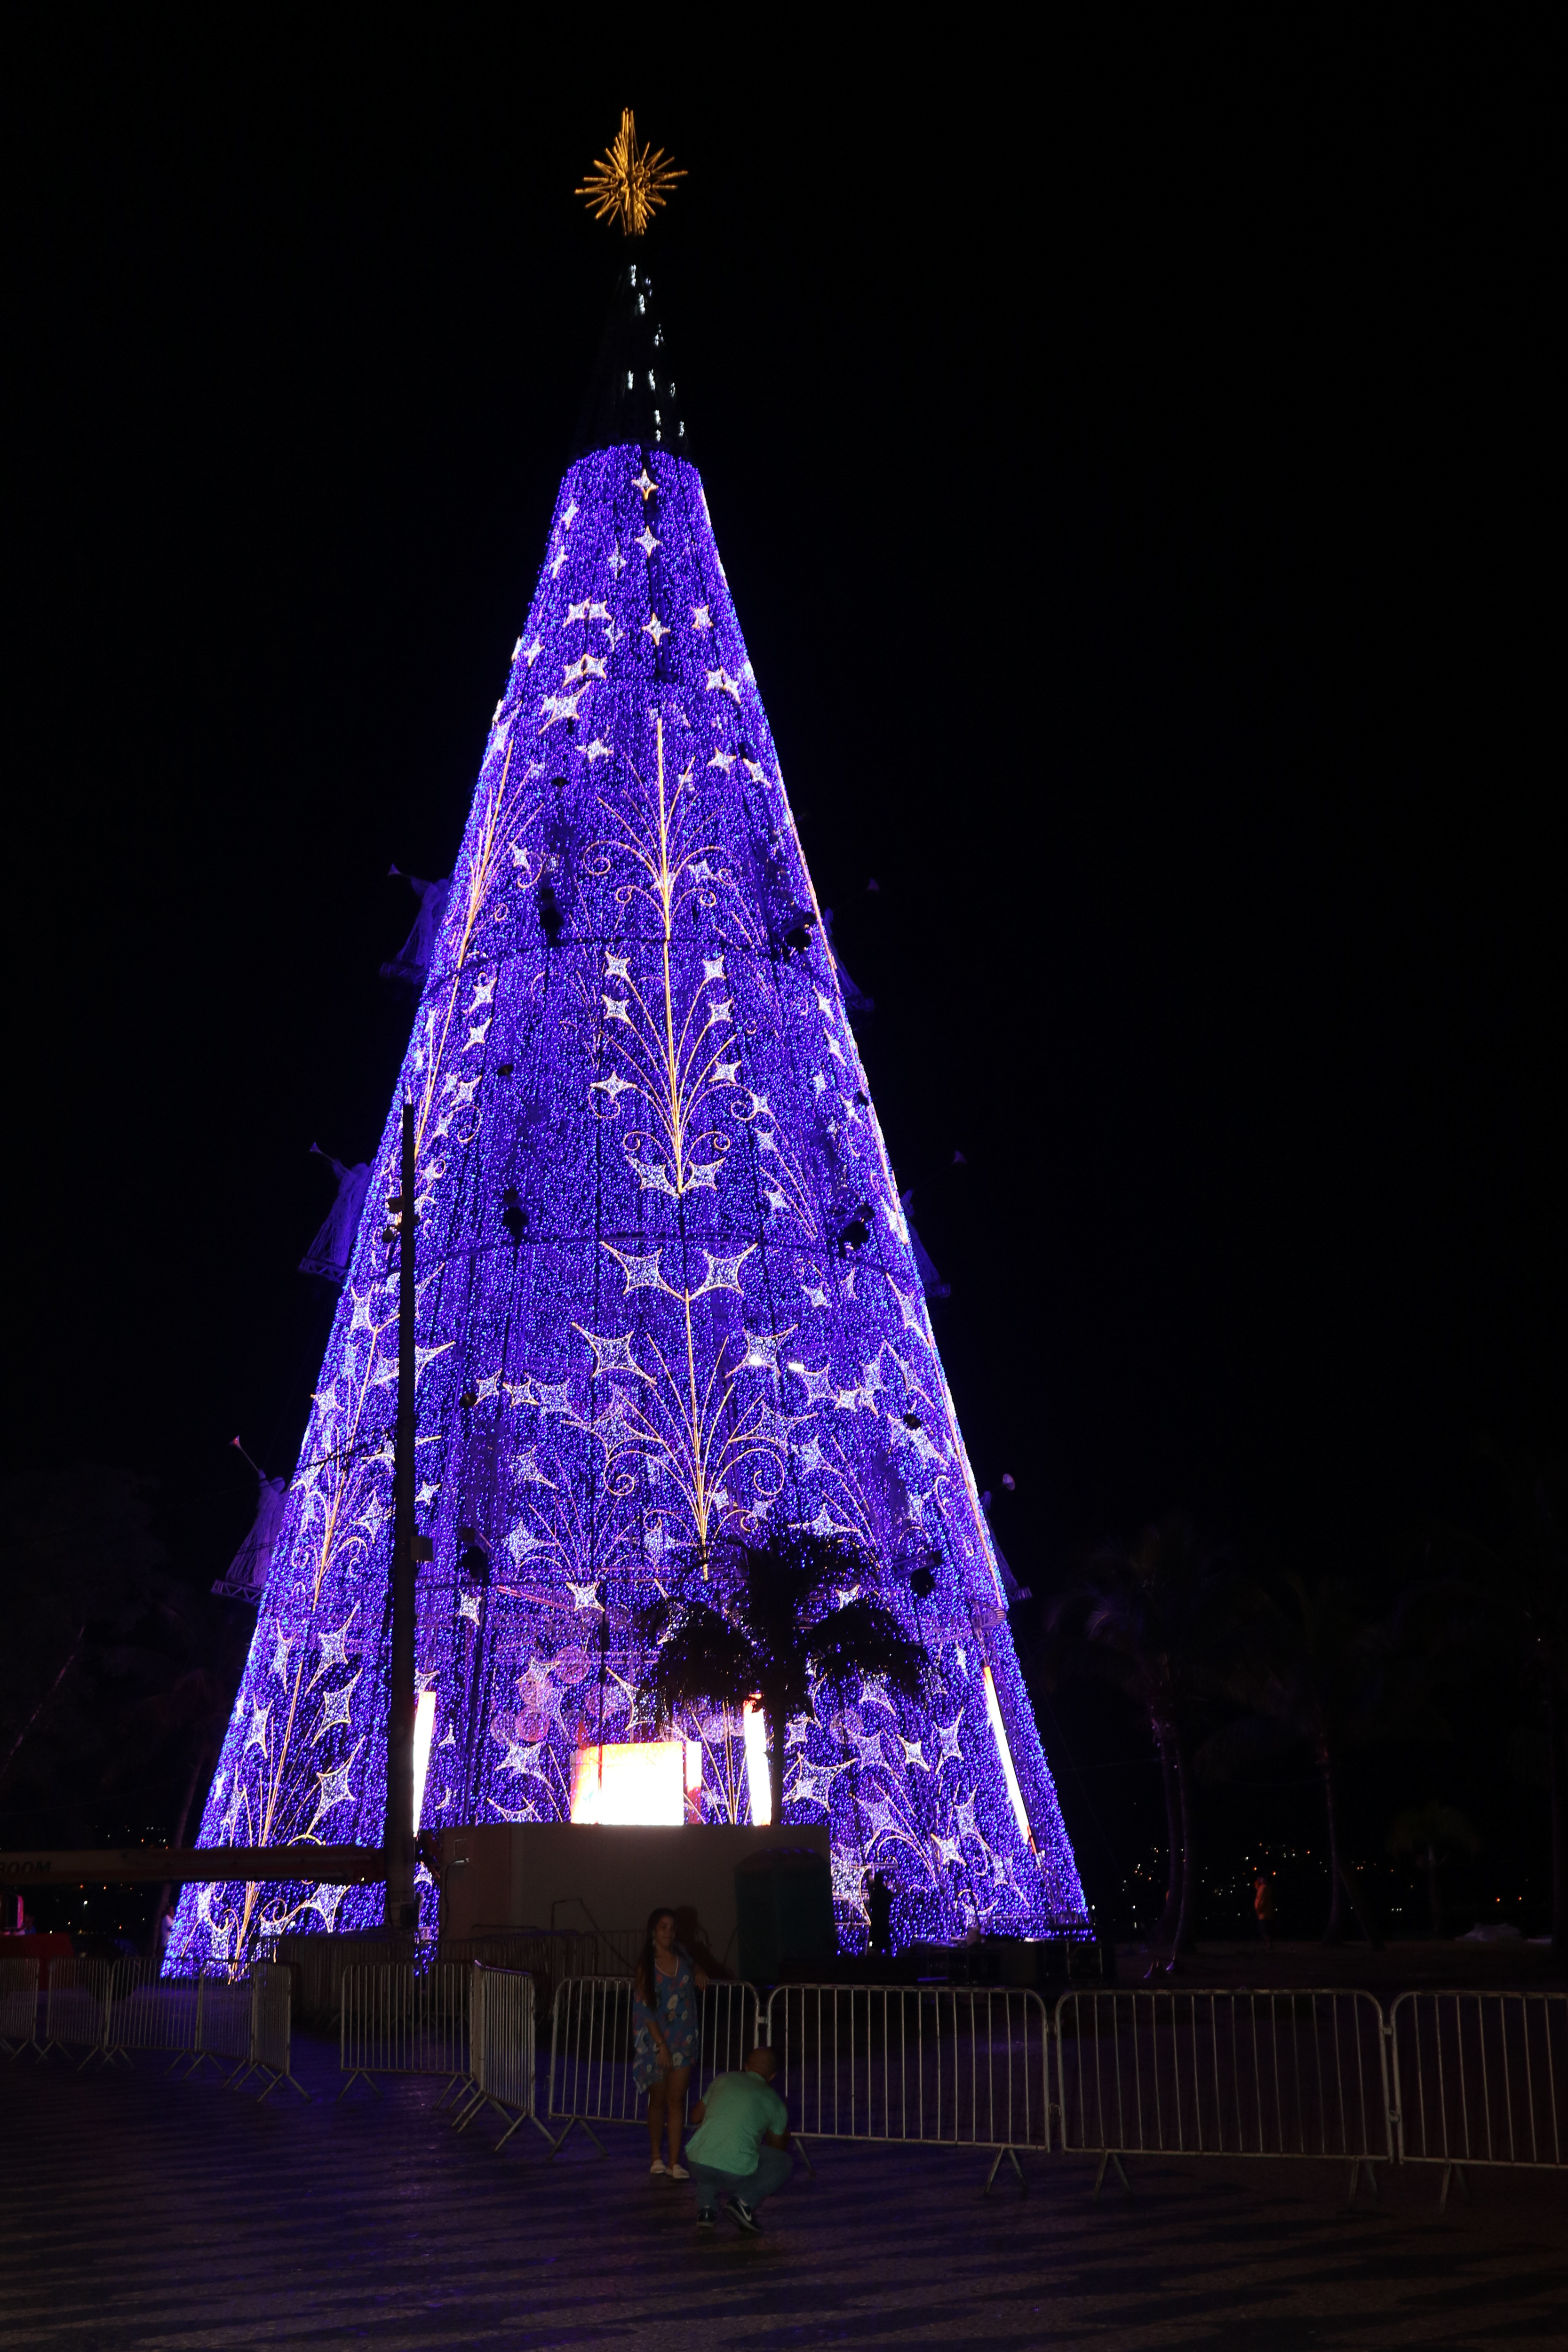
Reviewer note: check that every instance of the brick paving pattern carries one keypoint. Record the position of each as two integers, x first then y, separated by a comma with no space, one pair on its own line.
142,2213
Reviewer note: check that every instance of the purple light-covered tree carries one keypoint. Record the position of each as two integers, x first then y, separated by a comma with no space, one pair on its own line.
666,1291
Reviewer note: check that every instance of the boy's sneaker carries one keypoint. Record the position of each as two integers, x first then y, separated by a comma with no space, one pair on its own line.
705,2220
740,2213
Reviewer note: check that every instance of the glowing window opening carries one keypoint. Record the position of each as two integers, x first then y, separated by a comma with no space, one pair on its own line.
754,1731
999,1732
424,1733
632,1783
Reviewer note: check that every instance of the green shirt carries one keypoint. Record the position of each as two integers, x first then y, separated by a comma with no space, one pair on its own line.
737,2110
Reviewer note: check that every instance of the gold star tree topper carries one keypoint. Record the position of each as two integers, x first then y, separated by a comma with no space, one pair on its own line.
628,180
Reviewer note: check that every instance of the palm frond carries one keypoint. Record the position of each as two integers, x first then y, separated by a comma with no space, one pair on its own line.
861,1637
701,1656
772,1617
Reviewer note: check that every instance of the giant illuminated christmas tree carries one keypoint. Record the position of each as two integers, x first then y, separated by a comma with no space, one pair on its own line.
665,1289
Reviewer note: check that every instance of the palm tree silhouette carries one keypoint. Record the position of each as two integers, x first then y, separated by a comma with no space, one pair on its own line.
773,1619
1427,1832
1317,1662
1148,1617
1513,1590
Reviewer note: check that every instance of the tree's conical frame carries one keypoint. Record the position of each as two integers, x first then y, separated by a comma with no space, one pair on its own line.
666,1292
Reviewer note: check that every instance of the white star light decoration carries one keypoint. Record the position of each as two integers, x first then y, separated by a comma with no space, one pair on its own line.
334,1788
612,1355
335,1707
723,1273
762,1350
641,1272
950,1748
813,1784
335,1649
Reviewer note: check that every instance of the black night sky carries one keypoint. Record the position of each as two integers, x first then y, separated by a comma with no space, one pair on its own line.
1131,484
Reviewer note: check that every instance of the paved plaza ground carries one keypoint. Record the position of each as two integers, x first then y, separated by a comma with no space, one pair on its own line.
142,2213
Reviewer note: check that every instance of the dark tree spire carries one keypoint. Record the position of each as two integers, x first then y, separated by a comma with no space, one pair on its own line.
634,392
633,395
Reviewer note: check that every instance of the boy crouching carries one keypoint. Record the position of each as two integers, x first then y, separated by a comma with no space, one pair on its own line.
740,2150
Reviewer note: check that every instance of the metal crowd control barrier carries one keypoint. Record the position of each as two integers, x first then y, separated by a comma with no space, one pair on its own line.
1477,2077
1480,2078
124,2017
502,2050
319,1964
86,2001
1224,2073
147,2013
399,2020
591,2044
76,2007
109,2008
551,1953
222,2025
271,2029
208,2020
19,2008
952,2066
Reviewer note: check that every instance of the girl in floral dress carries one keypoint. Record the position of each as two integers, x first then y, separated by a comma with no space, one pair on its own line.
665,2012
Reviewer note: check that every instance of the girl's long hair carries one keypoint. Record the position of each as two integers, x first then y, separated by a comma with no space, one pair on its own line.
646,1965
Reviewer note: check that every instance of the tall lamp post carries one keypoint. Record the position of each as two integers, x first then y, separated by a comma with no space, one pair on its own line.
401,1911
